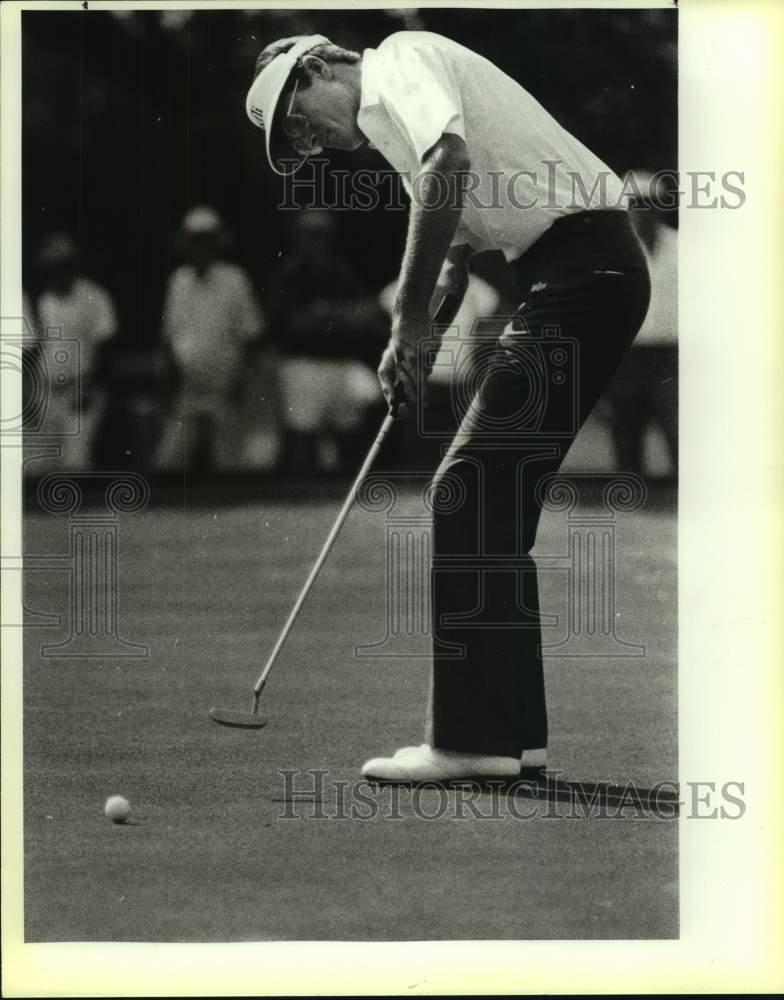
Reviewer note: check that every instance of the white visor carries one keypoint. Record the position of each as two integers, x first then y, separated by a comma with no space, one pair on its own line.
266,89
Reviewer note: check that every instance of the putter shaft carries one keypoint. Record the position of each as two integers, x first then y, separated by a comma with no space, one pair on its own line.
443,316
325,550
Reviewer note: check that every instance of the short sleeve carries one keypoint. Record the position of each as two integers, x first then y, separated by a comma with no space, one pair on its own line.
420,93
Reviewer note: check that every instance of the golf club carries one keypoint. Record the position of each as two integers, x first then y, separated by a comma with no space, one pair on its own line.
252,720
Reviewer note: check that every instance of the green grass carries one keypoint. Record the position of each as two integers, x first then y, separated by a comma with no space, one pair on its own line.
209,858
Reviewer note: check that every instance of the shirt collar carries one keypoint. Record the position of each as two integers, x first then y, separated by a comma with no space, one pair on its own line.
369,88
369,95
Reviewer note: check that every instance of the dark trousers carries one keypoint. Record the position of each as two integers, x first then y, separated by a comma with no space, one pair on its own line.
586,290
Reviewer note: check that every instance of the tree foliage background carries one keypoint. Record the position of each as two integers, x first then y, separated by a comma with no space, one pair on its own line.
130,117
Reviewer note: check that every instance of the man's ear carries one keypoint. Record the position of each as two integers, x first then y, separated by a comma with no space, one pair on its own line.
317,67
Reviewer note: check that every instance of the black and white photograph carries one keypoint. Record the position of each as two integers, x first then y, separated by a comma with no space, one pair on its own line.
354,435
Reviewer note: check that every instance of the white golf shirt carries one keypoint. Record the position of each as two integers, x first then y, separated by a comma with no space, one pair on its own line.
527,170
208,320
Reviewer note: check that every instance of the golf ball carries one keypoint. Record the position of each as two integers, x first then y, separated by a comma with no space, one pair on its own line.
117,808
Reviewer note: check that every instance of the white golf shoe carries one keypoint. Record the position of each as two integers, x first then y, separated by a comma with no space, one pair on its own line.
405,751
423,763
528,759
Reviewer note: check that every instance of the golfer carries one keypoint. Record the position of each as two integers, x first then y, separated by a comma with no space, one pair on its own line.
488,169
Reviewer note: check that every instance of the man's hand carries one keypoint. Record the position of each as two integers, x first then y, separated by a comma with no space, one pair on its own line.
400,373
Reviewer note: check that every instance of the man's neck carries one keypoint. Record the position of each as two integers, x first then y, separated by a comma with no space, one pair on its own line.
350,74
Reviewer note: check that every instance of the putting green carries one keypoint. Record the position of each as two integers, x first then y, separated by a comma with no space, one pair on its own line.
210,854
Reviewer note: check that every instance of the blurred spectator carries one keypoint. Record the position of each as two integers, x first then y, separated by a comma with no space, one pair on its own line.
644,392
34,387
329,332
210,322
75,319
131,424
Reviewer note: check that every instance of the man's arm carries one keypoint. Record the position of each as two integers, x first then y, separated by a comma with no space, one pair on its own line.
435,213
436,207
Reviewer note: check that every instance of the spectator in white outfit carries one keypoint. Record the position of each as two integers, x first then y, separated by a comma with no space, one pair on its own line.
210,321
75,319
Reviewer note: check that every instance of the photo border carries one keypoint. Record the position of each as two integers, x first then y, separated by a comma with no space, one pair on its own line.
731,498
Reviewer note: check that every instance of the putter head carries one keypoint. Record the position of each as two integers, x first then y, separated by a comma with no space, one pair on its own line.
239,720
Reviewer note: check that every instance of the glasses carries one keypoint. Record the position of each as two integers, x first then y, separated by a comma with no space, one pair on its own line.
299,130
